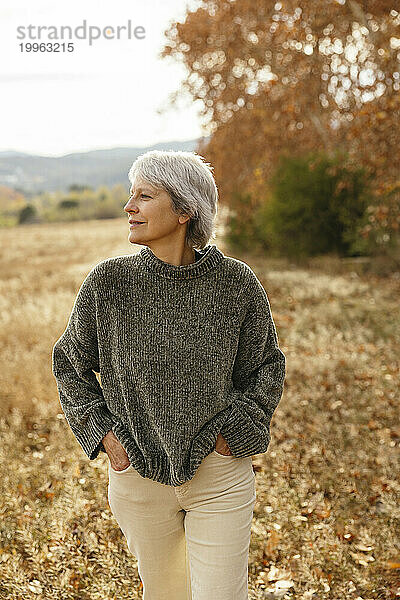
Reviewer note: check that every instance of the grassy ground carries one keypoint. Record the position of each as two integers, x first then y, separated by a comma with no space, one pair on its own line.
326,520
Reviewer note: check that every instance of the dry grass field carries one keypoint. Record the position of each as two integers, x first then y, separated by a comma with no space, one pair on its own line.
326,521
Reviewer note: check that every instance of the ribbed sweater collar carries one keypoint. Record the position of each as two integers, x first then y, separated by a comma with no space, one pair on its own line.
212,256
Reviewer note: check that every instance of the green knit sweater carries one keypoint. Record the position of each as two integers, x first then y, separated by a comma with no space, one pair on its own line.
183,352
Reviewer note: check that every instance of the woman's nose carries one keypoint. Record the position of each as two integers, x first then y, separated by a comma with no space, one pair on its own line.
129,207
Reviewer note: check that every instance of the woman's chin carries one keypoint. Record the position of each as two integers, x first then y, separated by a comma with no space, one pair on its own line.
134,238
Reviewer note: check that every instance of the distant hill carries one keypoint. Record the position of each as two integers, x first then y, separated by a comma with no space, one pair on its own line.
32,173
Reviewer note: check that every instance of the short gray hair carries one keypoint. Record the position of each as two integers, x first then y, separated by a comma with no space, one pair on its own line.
188,179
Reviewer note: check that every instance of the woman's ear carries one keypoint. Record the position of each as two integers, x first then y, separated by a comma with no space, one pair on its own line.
185,219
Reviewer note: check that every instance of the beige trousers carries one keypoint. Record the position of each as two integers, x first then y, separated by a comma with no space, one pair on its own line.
192,541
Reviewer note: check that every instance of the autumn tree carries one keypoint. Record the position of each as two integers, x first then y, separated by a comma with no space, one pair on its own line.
291,77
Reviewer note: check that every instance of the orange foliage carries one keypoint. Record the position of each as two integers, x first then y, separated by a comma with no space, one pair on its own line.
292,77
10,199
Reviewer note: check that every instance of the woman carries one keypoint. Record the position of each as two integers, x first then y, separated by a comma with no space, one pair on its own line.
191,373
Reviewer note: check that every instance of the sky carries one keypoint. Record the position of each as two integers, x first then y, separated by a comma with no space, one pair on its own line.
102,95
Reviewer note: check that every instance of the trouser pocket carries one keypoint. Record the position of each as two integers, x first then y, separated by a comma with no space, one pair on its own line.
223,455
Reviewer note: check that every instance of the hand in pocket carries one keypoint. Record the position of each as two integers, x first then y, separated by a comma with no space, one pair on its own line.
221,446
116,452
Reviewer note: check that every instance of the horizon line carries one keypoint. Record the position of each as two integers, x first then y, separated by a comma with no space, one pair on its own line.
95,149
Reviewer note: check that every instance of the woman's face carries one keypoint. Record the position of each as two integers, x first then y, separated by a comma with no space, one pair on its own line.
153,207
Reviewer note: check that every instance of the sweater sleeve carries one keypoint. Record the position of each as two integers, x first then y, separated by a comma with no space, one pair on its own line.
258,377
75,358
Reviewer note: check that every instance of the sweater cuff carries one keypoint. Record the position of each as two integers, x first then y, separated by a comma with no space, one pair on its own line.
244,436
98,424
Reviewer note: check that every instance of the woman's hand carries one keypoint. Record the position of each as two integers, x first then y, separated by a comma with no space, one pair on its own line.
116,452
221,445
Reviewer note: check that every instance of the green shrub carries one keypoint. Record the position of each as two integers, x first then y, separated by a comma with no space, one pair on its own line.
240,225
68,203
315,205
27,214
